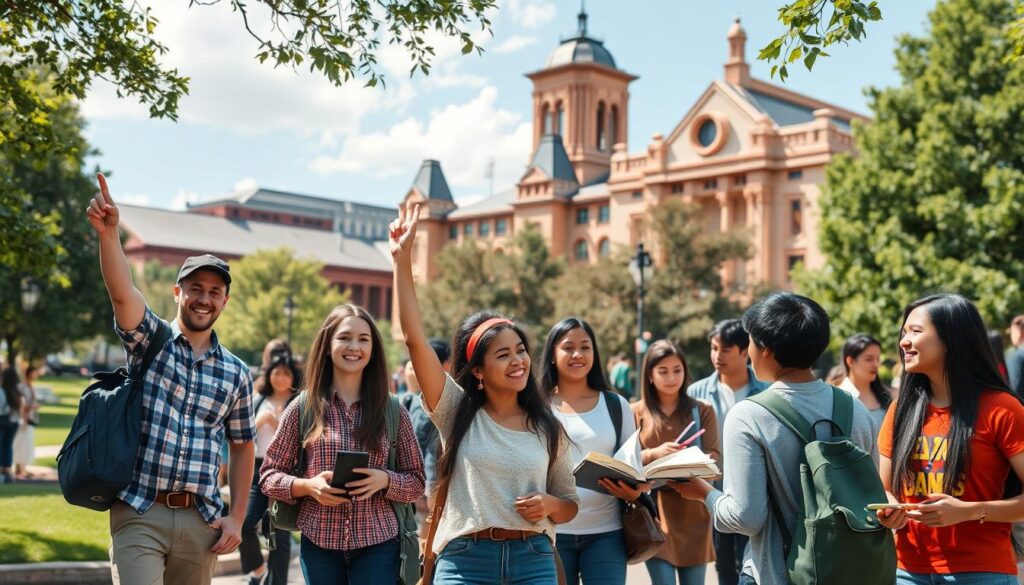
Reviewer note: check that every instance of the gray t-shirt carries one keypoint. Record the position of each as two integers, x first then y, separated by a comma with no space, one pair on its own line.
758,449
495,465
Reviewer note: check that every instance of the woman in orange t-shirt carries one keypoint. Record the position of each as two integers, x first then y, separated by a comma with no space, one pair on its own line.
948,445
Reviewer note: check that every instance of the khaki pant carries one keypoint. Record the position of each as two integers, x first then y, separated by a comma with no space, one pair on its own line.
164,546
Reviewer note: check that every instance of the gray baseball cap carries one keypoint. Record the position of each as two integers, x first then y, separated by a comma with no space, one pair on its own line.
207,262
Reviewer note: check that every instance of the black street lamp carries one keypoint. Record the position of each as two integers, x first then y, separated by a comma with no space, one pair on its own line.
30,294
289,311
637,266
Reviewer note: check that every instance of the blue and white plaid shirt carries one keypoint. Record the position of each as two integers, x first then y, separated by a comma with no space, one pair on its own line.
188,407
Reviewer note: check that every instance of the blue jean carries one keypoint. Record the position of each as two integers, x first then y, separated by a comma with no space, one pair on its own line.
905,578
746,579
250,551
663,572
371,564
599,559
8,431
469,561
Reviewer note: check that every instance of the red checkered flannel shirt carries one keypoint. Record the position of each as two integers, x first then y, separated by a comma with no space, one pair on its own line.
348,526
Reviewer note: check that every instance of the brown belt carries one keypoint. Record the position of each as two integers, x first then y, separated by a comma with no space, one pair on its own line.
176,500
503,534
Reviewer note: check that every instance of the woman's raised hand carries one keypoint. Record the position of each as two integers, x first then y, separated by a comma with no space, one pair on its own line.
402,231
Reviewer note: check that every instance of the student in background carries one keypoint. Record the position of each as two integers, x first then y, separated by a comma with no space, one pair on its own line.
24,440
663,412
732,381
862,356
954,444
350,534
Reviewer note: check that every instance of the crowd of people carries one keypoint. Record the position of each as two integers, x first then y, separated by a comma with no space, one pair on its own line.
490,429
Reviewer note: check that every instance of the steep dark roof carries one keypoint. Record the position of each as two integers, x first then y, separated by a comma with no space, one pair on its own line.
551,158
431,183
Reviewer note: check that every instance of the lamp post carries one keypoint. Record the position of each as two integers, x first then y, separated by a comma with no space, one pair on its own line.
29,294
640,262
289,311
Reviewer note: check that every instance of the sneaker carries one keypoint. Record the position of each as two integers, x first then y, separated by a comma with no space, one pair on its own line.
259,580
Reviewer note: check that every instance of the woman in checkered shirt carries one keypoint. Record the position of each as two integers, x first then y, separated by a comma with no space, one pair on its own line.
350,534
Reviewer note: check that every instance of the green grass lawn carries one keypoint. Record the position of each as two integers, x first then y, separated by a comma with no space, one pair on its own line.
55,419
39,526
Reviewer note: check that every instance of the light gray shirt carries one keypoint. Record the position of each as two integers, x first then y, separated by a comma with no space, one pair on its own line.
495,465
759,450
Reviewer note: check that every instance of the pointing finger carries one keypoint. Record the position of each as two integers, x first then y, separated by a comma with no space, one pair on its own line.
104,189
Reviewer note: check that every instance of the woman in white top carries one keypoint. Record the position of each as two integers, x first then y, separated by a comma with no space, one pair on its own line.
276,388
24,440
591,546
861,358
505,459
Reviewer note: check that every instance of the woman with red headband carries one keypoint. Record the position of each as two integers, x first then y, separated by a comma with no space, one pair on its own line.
505,478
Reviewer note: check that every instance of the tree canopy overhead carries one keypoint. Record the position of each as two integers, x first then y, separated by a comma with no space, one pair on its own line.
933,199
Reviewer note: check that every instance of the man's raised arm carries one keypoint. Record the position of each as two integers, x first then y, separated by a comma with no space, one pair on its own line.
129,304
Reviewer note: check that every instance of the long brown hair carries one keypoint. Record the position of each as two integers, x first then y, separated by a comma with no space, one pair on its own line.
658,351
373,388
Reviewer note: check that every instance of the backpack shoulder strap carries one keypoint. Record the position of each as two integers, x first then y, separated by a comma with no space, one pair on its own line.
157,343
695,413
786,414
615,412
842,411
392,420
300,401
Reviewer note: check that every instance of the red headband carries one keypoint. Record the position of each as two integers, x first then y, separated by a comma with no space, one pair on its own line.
479,332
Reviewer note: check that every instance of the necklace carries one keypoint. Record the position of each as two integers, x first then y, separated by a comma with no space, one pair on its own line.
927,467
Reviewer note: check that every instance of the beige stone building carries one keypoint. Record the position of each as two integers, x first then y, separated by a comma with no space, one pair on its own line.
749,153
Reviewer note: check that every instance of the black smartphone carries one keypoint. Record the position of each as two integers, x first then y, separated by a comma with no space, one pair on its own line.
344,463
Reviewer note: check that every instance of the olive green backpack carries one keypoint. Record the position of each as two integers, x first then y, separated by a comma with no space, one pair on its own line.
838,541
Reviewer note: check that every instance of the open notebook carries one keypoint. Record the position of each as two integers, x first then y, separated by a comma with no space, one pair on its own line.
681,465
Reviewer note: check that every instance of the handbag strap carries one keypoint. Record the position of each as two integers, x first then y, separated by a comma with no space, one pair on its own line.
433,519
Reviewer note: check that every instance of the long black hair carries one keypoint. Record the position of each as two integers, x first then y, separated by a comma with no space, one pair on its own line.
969,368
855,345
9,381
549,371
280,360
539,418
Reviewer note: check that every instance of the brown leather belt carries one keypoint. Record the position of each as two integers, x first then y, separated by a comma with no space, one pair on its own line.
500,534
175,500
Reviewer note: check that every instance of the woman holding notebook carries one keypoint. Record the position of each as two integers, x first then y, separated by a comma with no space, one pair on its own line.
591,546
668,419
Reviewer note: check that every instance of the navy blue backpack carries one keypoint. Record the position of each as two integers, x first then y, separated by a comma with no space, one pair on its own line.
98,457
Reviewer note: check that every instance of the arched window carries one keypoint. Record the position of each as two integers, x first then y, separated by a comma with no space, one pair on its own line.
613,127
545,119
604,248
559,118
580,251
600,126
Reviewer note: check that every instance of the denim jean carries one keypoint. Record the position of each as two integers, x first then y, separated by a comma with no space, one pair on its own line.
598,559
905,578
469,561
371,564
250,551
663,572
729,556
746,580
8,431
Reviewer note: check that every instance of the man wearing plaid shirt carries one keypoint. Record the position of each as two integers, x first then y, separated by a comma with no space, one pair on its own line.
166,525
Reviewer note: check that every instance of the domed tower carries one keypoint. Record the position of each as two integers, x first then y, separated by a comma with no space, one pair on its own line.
582,96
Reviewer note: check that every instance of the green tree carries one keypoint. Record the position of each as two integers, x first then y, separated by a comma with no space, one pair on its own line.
605,296
82,41
933,198
686,296
528,271
156,282
261,282
49,191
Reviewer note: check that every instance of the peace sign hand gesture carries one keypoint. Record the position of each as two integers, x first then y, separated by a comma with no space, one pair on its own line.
103,213
402,231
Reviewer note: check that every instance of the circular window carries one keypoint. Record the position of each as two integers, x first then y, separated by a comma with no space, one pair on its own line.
707,133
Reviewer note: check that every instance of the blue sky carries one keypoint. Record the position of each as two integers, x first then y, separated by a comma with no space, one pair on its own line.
247,124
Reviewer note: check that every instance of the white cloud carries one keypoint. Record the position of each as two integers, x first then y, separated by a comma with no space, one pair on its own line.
531,14
134,198
183,198
246,184
513,44
464,137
